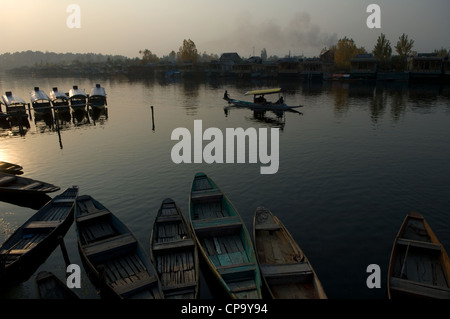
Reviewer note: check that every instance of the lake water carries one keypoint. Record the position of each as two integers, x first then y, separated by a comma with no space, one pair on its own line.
351,166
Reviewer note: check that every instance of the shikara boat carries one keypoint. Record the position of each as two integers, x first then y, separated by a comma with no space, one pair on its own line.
59,100
259,101
15,105
174,253
285,269
18,184
97,96
419,266
51,287
77,97
10,168
40,101
223,240
31,244
112,255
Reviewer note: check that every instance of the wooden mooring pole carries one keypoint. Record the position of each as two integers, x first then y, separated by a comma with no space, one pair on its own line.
153,118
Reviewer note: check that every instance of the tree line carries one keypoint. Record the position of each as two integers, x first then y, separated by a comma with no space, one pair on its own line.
346,49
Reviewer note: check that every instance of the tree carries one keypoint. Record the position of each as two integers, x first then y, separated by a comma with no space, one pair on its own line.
188,52
148,56
346,49
264,54
382,50
442,52
404,46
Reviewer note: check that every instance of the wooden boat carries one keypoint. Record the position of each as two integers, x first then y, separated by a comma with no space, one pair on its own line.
59,100
174,253
40,101
223,240
11,168
419,266
18,184
77,97
97,96
15,105
285,269
31,244
51,287
112,255
260,102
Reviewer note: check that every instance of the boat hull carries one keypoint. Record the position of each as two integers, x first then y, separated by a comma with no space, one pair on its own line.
31,244
419,266
223,240
285,269
113,257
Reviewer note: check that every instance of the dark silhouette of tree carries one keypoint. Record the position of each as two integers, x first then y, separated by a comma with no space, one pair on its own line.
404,46
346,49
382,50
188,52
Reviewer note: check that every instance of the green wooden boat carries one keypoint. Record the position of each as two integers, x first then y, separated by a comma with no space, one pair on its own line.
223,240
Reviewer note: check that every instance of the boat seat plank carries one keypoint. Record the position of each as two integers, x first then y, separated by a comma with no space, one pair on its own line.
7,179
18,251
268,227
107,246
217,225
236,268
170,218
135,286
91,216
283,273
419,244
206,195
32,185
42,224
63,201
417,288
179,244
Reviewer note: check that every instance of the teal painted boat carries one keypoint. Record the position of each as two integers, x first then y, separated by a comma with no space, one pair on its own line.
223,240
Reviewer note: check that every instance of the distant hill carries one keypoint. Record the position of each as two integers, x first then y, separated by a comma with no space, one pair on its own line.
37,58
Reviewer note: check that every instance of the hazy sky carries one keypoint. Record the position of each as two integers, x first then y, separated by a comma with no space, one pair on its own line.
243,26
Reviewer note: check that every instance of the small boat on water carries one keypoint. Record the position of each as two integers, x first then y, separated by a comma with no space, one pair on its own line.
18,184
260,102
223,240
174,253
59,100
11,168
114,259
15,105
51,287
77,97
285,269
419,266
31,244
40,101
97,96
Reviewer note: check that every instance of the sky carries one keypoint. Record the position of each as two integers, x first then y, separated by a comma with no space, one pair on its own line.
282,27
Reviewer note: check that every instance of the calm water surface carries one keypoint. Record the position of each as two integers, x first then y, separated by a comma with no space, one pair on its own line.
352,165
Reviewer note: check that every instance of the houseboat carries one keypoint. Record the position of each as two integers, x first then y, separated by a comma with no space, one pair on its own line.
363,66
312,69
425,66
289,67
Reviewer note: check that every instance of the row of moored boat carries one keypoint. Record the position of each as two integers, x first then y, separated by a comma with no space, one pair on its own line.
268,264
